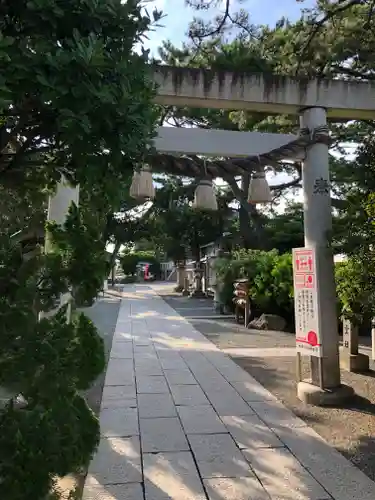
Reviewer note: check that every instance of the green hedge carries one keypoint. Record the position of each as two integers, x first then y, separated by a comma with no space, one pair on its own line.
130,260
270,275
355,290
271,284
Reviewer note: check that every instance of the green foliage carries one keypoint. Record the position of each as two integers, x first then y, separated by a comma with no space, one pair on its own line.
63,431
129,261
75,100
355,278
49,361
73,89
270,278
171,227
74,351
184,230
81,255
228,269
284,231
355,291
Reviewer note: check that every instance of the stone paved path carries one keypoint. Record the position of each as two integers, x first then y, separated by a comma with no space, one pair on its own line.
181,421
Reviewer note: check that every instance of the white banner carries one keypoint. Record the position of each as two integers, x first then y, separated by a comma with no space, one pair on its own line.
306,307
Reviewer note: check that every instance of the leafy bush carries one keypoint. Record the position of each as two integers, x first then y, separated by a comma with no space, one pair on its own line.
227,271
355,290
129,263
271,283
270,278
130,260
50,431
75,100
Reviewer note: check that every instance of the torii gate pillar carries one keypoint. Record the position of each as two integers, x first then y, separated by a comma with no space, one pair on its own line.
325,386
58,209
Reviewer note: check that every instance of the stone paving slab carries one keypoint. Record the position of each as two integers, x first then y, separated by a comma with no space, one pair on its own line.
228,401
200,420
145,350
282,475
205,429
179,377
148,369
172,476
156,405
117,461
119,396
218,456
131,491
339,477
276,415
239,488
122,349
119,422
249,431
253,392
162,434
144,355
152,385
120,372
173,363
189,395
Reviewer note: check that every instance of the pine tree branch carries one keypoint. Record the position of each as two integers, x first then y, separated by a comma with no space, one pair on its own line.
214,32
341,6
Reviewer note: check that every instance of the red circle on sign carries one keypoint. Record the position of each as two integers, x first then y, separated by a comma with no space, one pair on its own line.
312,338
309,279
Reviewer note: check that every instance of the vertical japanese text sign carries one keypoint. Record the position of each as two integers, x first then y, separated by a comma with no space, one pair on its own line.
306,305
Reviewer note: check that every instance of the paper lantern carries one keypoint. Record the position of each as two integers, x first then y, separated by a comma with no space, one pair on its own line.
204,196
259,190
142,186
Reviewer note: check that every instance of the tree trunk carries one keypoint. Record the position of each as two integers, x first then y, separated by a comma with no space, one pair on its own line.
253,229
246,232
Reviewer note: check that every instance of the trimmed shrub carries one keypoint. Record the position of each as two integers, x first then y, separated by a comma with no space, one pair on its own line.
270,278
354,291
130,260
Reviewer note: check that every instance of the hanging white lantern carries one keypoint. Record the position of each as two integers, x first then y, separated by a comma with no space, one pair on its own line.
204,196
142,186
134,186
259,190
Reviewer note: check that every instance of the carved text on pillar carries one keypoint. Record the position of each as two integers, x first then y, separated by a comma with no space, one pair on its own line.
321,186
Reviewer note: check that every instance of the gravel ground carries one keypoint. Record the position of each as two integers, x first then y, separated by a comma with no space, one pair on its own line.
350,429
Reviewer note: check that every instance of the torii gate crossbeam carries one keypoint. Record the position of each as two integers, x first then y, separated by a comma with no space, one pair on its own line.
222,143
262,92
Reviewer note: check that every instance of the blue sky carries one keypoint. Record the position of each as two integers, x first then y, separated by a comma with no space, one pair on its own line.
178,16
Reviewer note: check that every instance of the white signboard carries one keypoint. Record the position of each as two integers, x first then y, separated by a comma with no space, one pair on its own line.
306,306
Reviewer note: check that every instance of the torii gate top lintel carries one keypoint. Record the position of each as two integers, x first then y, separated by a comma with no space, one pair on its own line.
263,92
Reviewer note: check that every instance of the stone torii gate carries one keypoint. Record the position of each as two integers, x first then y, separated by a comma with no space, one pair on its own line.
313,101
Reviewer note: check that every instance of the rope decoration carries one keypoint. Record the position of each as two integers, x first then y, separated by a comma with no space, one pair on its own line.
193,166
317,135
